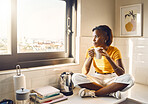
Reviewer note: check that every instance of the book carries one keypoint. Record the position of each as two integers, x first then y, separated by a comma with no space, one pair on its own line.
39,97
56,100
47,99
45,92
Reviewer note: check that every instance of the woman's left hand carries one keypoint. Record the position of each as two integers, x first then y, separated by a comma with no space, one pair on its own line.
103,52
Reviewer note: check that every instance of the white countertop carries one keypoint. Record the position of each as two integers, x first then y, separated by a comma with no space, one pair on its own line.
138,92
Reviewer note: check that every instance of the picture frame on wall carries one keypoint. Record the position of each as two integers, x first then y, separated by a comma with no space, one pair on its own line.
131,20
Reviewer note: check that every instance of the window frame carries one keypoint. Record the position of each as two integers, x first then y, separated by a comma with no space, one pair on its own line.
26,60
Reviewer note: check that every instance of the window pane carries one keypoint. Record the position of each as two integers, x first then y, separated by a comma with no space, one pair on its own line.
41,25
5,29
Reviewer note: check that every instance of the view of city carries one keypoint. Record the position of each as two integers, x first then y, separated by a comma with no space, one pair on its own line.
3,46
34,45
38,45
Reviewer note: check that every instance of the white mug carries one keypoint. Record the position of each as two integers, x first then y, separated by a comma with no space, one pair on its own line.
97,54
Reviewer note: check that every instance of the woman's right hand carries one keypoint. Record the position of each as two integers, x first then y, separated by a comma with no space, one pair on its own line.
91,53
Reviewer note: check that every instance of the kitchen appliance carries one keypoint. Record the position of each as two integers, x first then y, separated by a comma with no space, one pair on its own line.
66,85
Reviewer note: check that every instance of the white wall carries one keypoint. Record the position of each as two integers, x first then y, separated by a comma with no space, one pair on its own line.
96,12
135,62
135,57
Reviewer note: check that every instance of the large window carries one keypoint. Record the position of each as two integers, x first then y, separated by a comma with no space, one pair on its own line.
41,25
35,32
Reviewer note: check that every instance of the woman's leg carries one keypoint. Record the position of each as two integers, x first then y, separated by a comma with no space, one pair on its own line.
91,86
119,84
126,81
110,89
84,82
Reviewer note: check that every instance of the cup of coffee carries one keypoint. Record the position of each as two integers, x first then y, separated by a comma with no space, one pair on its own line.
97,54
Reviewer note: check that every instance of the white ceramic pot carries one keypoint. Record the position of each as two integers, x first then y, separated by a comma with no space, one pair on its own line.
22,94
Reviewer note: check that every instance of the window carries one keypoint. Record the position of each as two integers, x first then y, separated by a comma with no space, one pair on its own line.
35,32
5,26
41,25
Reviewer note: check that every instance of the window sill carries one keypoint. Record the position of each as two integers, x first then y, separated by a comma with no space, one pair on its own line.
38,68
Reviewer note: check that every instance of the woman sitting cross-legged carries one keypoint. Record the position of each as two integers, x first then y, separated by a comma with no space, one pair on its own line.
109,77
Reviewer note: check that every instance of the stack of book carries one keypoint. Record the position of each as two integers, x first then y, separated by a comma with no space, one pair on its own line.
47,95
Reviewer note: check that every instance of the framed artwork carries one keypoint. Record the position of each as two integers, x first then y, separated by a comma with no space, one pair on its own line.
131,20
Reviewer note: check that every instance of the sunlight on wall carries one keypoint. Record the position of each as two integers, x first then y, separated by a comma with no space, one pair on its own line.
130,56
130,61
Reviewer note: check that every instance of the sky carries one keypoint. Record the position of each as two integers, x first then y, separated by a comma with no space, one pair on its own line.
44,19
5,18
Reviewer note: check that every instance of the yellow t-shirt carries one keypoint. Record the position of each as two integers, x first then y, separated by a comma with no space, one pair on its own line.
102,65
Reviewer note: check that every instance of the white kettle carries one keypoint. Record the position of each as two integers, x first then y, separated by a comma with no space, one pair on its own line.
66,85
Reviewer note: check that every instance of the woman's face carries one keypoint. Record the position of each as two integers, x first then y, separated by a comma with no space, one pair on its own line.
99,38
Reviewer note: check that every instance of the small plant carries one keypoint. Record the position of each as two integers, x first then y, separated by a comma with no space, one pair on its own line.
131,26
131,13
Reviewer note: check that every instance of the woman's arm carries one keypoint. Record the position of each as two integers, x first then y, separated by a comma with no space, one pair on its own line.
87,65
118,66
88,61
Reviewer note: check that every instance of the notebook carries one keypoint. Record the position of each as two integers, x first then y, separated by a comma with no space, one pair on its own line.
46,91
56,100
47,99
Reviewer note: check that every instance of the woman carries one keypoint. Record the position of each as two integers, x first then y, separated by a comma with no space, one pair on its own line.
109,77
